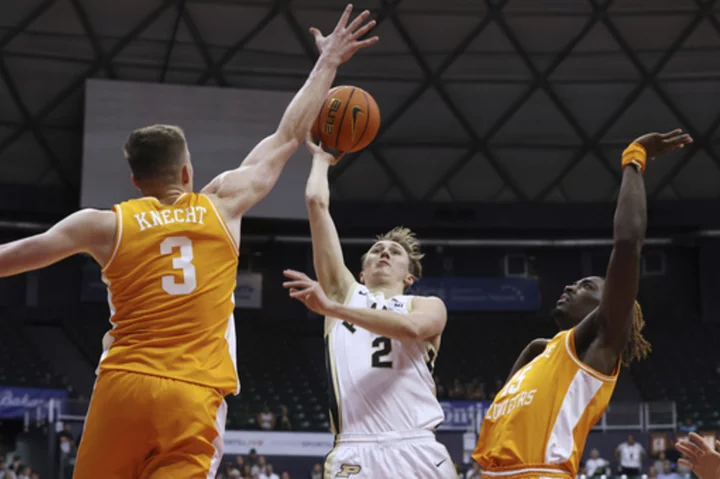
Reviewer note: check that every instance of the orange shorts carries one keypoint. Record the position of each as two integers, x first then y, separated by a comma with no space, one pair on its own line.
148,427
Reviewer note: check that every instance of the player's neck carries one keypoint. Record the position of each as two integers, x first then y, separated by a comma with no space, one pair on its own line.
387,290
166,195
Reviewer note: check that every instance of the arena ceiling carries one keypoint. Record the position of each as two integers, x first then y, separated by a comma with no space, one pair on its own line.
490,101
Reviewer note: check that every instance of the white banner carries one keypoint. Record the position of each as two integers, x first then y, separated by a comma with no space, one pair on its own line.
271,443
248,291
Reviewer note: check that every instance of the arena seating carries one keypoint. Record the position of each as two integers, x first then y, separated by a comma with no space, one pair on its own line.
20,363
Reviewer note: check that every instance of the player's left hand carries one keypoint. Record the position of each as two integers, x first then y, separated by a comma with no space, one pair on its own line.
308,291
657,144
319,153
700,457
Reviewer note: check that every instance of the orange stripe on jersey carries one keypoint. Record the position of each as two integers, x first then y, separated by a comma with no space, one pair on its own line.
539,422
171,280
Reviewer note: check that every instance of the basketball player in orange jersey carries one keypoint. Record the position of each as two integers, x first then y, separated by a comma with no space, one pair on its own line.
559,388
169,261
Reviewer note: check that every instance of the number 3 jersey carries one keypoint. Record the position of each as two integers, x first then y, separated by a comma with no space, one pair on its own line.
378,384
170,280
538,423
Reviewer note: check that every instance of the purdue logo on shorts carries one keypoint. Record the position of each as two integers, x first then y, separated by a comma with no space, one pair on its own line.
347,470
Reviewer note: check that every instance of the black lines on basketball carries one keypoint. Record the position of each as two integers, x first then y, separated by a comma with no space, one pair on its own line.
367,120
342,118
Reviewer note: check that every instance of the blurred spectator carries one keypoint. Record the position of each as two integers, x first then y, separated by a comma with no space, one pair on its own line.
246,472
35,475
687,426
5,472
499,384
473,472
266,419
258,467
234,474
252,457
667,472
317,472
596,465
66,440
630,456
457,391
15,466
268,474
659,463
285,475
25,472
652,473
284,421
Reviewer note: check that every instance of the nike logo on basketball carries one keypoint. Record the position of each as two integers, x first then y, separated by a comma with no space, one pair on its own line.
440,463
355,112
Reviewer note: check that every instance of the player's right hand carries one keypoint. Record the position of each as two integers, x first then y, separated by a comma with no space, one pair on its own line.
319,153
657,144
343,42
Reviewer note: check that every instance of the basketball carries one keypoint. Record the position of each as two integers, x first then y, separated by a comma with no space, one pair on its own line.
349,119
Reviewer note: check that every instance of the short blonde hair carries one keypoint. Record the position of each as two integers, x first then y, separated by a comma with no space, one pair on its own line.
407,239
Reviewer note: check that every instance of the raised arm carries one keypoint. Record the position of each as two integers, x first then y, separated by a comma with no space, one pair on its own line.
85,231
615,313
240,189
332,274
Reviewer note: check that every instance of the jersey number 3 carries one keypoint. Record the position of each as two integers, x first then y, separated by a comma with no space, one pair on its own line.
183,263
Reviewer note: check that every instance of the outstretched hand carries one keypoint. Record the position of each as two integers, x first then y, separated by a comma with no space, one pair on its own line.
657,144
307,291
700,457
318,151
343,42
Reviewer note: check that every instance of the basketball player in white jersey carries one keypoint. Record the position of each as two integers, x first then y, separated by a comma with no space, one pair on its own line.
381,346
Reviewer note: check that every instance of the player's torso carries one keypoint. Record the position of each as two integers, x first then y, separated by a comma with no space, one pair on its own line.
379,384
539,422
171,280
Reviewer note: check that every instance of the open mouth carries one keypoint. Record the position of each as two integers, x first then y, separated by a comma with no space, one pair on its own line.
383,262
564,298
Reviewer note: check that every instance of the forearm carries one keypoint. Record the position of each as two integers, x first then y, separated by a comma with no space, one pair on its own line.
630,221
317,190
305,106
27,255
385,323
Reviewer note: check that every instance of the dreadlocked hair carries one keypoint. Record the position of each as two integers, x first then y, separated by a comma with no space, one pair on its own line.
638,347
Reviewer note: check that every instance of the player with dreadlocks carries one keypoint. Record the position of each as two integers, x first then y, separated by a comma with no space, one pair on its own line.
559,388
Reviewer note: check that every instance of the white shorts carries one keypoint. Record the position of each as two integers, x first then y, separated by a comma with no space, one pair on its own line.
412,454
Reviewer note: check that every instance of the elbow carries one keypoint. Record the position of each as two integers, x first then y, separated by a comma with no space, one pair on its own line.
315,201
412,332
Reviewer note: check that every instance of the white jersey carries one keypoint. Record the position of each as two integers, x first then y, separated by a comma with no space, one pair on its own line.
378,384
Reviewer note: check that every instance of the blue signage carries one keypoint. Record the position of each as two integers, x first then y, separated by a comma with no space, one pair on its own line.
463,415
14,401
481,294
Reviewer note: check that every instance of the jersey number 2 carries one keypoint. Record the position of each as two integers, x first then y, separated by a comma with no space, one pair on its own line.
183,263
385,345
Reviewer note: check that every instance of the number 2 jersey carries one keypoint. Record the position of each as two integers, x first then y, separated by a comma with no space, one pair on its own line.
378,384
538,423
170,280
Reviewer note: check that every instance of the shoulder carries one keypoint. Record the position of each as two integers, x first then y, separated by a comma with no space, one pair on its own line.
428,303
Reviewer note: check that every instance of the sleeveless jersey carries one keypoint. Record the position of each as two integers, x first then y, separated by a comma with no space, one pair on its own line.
171,281
378,384
538,423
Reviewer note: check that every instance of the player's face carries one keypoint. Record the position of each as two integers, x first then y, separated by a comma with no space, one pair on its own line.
386,262
577,301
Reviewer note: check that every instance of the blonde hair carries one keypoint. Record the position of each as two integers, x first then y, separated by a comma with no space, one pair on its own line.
407,239
638,347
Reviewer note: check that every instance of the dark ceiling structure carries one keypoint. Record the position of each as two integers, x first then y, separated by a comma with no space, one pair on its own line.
483,101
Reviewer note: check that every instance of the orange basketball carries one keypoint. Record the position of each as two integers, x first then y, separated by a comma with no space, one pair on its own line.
349,119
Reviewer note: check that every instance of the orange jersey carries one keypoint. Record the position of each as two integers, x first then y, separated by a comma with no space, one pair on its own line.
171,281
538,423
